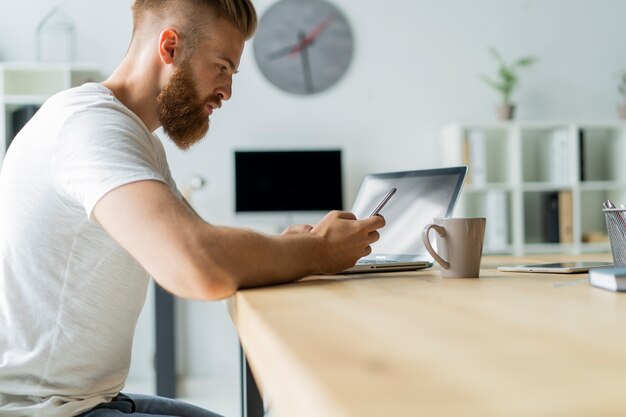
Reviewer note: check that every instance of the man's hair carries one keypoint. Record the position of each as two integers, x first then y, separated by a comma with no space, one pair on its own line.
197,14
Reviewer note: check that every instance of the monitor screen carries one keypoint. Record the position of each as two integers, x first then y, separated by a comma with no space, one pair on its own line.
283,181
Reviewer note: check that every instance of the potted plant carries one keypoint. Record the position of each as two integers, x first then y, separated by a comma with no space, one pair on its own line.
506,81
621,107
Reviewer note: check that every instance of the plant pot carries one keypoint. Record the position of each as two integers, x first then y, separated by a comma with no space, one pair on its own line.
621,110
505,111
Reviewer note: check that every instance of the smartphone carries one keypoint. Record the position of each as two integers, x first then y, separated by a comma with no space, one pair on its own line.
384,201
556,267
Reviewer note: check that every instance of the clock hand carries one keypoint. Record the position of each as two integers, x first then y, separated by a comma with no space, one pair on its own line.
305,40
308,39
281,52
306,66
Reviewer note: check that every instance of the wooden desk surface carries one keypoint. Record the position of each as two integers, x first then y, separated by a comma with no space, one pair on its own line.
414,344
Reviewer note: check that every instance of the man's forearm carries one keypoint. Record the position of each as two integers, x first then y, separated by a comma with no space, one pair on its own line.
251,259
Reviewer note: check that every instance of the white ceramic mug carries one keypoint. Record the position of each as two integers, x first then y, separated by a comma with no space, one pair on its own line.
460,245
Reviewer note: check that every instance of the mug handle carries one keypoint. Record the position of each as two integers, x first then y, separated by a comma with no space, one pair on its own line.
442,232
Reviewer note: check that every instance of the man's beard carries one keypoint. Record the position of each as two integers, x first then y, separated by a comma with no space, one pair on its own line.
181,111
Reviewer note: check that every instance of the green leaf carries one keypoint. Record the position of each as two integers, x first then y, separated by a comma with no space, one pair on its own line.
622,85
497,56
525,62
507,78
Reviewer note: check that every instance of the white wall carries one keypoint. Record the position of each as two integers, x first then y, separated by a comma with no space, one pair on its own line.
415,68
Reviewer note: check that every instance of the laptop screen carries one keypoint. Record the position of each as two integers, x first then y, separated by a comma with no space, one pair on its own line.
420,197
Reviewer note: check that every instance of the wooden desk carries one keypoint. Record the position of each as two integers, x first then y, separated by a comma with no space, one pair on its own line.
414,344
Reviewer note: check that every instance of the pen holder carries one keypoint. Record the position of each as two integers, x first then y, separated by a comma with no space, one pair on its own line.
616,226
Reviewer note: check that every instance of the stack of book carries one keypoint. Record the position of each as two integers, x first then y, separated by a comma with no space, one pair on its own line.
475,157
613,279
558,218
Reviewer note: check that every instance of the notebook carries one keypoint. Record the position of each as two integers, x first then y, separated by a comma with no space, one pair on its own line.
420,197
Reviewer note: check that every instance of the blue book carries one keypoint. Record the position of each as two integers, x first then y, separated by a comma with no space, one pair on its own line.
613,279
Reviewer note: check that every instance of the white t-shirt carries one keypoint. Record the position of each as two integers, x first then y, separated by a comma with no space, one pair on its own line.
70,296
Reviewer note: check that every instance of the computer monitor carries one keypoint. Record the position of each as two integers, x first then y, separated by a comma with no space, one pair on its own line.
288,181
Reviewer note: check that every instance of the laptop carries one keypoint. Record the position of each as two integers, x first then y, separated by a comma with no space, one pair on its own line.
420,197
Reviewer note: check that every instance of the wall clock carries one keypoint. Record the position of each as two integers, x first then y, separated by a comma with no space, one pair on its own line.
303,46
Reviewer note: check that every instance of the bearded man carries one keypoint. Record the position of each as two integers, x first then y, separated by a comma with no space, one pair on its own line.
89,211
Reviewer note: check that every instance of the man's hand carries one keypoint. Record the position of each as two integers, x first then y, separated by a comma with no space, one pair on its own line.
346,239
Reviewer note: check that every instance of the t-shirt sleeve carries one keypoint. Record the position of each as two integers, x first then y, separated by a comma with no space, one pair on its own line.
100,150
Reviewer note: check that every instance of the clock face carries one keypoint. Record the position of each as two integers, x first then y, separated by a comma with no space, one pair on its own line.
303,46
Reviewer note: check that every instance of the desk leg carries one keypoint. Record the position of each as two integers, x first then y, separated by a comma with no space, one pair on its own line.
165,358
251,401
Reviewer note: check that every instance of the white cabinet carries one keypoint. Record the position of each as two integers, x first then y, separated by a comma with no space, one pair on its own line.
540,184
30,84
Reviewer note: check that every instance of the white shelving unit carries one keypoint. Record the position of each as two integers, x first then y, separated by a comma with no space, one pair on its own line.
25,84
540,184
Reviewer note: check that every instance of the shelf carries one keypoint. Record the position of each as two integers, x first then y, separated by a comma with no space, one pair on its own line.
548,248
22,100
544,186
595,247
28,84
471,188
550,178
601,153
562,248
45,79
601,185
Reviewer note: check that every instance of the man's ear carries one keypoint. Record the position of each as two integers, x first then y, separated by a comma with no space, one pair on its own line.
169,45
